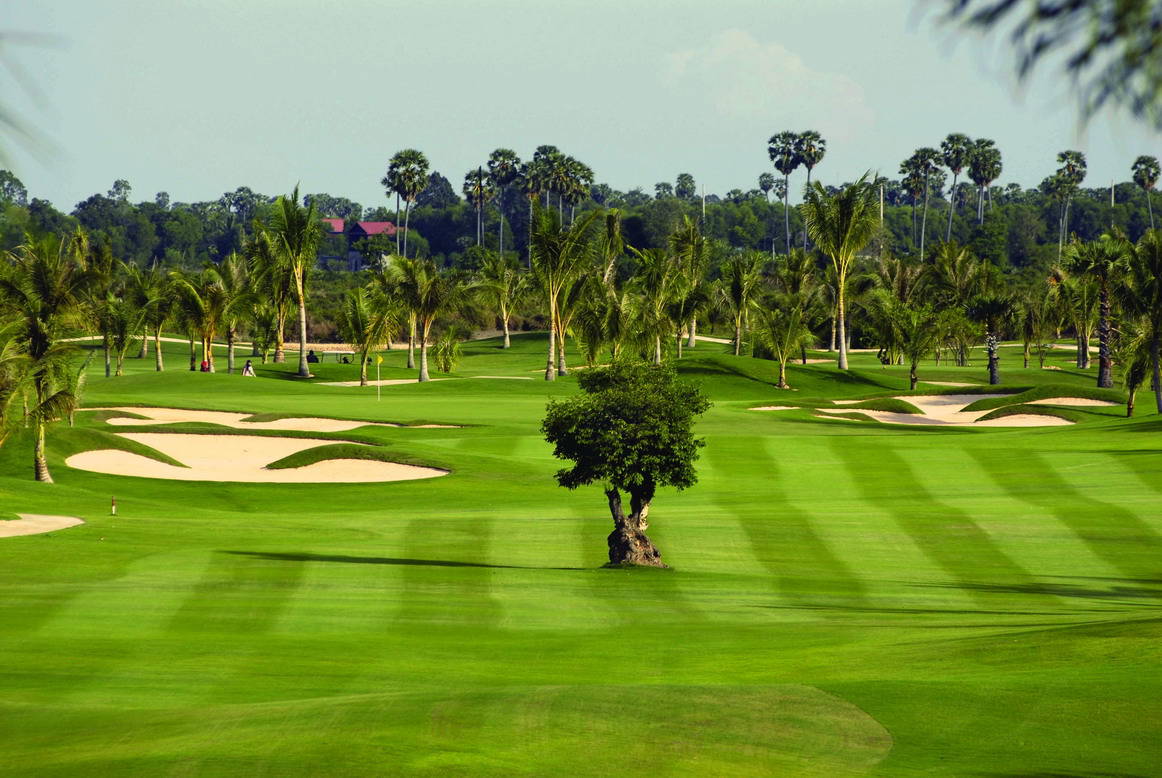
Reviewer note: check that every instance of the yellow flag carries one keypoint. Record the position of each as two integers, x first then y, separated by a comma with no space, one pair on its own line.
379,359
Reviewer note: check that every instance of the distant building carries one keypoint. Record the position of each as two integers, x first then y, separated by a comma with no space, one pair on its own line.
356,232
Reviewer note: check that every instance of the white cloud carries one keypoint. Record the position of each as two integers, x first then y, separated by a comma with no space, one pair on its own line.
739,78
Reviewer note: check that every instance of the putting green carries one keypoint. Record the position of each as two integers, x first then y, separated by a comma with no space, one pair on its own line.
847,597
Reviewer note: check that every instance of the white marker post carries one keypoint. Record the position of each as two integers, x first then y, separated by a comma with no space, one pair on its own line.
113,507
378,385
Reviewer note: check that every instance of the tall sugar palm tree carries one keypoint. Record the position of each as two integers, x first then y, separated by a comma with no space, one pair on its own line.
478,190
558,255
784,153
922,164
810,148
955,151
407,176
504,169
1141,294
984,167
1102,260
841,226
1146,173
295,233
44,288
1070,173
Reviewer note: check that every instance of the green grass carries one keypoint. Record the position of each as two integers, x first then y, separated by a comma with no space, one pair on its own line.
1028,394
846,598
889,404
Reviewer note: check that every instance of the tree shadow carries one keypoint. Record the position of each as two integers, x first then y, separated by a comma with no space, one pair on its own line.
1058,590
302,556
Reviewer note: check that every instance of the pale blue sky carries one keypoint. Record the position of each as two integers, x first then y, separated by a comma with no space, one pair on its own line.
198,97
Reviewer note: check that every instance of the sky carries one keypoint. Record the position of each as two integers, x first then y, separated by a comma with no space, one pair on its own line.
199,97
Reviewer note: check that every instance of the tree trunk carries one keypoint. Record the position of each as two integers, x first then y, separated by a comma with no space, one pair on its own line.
692,338
951,207
787,210
1105,369
994,363
230,349
562,367
1150,208
924,220
144,352
108,351
657,349
119,370
804,224
1130,402
193,355
841,323
737,335
678,343
424,354
628,543
550,367
782,375
40,464
507,341
363,360
1154,359
411,342
407,213
831,345
913,379
803,354
1026,355
397,233
158,363
280,340
304,371
208,352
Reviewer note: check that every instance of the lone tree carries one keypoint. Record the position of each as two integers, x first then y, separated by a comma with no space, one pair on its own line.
631,430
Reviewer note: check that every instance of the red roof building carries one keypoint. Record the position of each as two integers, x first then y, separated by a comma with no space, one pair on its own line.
336,226
364,229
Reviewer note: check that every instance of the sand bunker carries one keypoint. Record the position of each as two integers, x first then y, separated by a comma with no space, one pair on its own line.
775,408
240,458
235,420
1078,401
505,377
35,524
948,409
948,383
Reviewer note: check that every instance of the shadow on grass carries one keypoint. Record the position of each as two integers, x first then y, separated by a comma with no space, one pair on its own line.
1059,590
376,560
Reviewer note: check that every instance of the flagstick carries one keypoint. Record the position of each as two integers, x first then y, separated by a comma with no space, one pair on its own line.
378,386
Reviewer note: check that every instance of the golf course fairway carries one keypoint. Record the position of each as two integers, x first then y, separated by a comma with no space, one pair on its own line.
846,596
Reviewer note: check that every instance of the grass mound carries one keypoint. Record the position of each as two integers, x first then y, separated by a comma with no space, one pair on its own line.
81,439
1028,394
1033,410
345,451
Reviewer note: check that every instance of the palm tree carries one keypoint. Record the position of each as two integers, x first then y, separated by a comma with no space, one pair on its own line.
841,225
922,165
427,293
955,277
1075,299
120,322
295,233
654,284
1141,295
238,300
504,168
558,254
994,312
984,167
407,176
577,184
1146,173
150,291
44,288
688,247
1101,260
783,328
202,299
783,151
1071,174
741,276
798,278
272,281
502,284
367,324
955,151
478,190
810,148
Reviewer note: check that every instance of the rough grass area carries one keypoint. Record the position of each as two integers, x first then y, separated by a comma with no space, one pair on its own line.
1045,392
78,439
845,599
